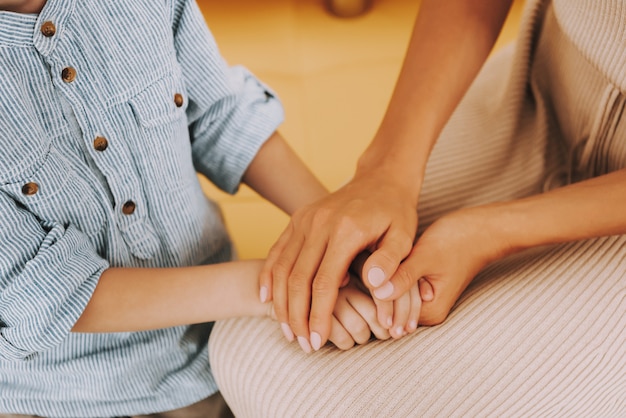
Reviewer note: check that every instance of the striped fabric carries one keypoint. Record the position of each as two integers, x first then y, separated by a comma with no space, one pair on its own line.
108,108
538,334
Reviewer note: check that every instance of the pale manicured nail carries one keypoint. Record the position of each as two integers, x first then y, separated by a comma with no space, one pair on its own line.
316,341
413,325
389,322
376,276
384,291
399,331
304,343
287,332
263,294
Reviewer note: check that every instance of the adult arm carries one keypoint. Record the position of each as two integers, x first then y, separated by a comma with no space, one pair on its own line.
377,209
457,246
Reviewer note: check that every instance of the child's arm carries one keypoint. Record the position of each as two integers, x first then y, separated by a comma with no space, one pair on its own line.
277,174
136,299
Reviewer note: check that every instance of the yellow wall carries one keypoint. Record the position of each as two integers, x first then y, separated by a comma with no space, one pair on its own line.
334,77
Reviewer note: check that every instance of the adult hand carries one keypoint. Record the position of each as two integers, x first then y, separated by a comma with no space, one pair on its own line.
445,259
306,266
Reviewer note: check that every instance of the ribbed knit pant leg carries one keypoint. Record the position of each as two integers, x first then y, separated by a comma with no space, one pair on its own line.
541,333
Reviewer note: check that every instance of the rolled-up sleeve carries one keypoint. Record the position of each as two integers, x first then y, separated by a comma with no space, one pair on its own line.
48,273
231,113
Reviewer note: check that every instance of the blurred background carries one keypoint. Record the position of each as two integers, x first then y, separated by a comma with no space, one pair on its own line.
334,76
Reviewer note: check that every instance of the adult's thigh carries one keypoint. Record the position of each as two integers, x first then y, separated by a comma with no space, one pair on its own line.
542,333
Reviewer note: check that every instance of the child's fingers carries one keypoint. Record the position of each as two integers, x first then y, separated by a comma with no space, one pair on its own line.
339,336
416,307
401,311
384,312
365,307
351,318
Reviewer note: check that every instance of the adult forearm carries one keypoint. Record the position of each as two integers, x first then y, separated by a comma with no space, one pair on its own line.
588,209
450,42
136,299
278,174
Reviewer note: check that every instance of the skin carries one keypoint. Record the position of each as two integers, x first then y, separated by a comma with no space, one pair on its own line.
123,302
457,246
179,296
22,6
136,299
376,211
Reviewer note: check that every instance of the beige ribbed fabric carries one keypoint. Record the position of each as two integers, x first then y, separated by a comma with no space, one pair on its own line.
539,334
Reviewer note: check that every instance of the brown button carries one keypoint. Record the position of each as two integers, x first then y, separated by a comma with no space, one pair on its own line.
100,143
178,100
48,29
30,188
68,74
129,208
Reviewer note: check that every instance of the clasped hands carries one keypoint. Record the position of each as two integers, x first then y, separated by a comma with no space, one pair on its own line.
368,227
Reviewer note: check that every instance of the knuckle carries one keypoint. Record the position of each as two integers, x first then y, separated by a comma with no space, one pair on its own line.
403,278
321,216
274,252
323,284
298,283
362,335
357,328
348,228
281,269
344,343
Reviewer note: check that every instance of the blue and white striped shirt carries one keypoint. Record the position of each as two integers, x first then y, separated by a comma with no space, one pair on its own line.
108,109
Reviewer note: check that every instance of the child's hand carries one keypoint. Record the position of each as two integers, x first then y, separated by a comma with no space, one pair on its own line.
400,316
354,318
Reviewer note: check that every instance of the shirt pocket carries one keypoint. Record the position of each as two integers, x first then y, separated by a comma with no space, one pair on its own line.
51,189
163,142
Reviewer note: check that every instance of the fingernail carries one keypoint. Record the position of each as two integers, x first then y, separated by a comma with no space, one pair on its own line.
287,332
316,341
376,276
413,325
389,322
384,291
399,331
263,294
304,343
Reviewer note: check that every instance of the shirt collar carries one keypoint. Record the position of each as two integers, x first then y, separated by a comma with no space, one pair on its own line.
24,29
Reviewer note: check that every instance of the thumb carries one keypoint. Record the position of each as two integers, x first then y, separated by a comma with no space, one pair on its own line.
382,264
427,292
